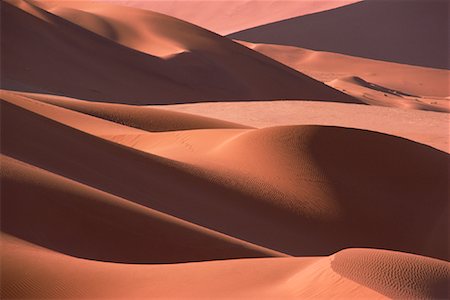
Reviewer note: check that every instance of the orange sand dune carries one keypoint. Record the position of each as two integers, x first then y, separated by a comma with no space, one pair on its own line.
371,93
236,197
413,32
425,127
142,117
371,81
137,57
428,128
300,198
225,17
93,224
28,271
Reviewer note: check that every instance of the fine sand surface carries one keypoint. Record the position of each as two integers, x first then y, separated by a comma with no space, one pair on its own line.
128,55
279,182
371,81
352,273
413,32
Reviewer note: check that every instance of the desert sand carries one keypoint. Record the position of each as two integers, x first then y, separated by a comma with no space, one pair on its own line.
129,55
371,81
146,157
226,17
347,274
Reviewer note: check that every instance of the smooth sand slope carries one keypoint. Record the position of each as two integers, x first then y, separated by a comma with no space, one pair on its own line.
91,188
225,17
142,117
352,273
134,56
429,128
223,199
413,32
425,127
283,186
371,81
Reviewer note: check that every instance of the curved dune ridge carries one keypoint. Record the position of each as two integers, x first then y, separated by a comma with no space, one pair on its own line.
300,198
107,193
225,17
425,127
352,273
133,56
371,81
286,192
413,32
145,118
145,235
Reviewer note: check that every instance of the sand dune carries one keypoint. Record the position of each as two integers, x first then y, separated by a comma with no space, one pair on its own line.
142,117
372,81
180,62
103,196
299,199
425,127
375,94
225,17
352,274
92,224
408,32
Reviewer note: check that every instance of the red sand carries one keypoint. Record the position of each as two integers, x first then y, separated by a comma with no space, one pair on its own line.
371,81
138,57
225,17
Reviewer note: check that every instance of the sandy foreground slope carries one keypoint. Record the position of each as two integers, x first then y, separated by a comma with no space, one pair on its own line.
135,56
371,81
286,192
347,274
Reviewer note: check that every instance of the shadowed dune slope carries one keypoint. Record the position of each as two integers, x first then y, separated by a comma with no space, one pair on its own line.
134,56
300,190
73,218
28,271
413,32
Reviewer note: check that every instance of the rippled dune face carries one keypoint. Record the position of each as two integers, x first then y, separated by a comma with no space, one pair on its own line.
144,154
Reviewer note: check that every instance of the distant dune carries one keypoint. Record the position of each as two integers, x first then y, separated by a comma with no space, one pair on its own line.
138,57
371,81
425,127
413,32
225,17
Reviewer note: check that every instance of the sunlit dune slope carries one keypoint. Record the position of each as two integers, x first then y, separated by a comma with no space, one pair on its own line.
127,55
371,81
225,17
425,127
28,271
143,117
300,190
